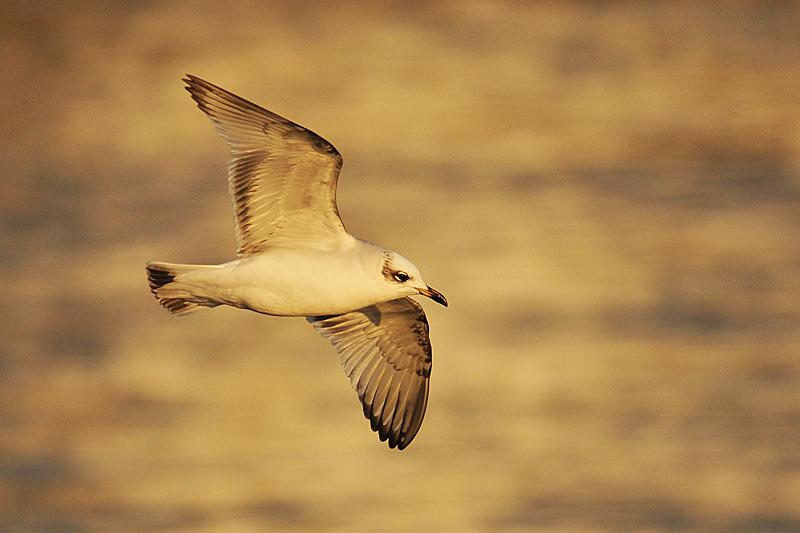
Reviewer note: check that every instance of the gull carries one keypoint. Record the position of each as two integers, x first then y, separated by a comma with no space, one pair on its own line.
295,258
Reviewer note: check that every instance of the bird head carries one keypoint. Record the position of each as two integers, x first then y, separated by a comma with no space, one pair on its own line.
404,279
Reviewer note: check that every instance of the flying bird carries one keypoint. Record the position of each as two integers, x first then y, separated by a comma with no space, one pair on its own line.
295,258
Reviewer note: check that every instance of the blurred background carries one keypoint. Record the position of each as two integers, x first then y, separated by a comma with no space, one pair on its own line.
607,193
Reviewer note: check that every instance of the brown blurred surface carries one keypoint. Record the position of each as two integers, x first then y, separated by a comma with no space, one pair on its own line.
608,194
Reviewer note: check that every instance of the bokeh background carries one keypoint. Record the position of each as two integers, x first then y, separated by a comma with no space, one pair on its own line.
608,194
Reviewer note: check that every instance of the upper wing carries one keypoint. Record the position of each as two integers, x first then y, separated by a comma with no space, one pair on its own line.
386,353
282,177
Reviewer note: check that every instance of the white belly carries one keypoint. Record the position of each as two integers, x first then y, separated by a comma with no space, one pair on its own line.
297,283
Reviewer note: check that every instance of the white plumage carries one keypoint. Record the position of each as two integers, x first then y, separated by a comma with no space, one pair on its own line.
295,258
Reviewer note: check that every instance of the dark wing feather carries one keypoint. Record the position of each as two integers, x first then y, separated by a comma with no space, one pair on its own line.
386,353
282,176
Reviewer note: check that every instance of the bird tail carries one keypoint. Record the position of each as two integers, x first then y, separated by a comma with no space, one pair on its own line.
174,294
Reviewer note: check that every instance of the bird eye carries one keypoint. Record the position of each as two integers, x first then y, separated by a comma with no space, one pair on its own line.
401,276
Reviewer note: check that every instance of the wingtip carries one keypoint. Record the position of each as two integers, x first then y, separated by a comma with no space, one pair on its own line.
393,442
197,88
191,81
190,85
195,84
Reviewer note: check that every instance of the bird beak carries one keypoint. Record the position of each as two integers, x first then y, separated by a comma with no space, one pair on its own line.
434,295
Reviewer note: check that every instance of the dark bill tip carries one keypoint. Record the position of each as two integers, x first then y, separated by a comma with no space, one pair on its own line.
434,295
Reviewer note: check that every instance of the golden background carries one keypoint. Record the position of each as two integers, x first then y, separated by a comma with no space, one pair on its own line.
608,194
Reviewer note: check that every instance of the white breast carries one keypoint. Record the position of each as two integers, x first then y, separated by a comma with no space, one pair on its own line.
294,282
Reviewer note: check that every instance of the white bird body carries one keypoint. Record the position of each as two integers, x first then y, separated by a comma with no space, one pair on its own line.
294,281
295,258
